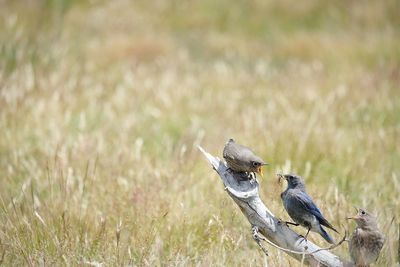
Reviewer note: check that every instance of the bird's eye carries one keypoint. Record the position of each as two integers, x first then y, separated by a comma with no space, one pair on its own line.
255,163
363,212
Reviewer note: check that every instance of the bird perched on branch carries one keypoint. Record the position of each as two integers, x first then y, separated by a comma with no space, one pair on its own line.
366,241
242,159
302,209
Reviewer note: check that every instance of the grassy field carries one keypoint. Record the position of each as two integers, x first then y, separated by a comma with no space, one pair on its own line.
103,104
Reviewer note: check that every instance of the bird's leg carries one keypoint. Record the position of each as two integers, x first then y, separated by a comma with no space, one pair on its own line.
291,223
309,228
305,237
287,223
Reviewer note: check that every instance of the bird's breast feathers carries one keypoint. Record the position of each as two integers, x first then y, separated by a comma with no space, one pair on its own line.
365,246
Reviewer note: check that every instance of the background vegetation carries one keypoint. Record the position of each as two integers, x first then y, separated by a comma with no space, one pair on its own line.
102,105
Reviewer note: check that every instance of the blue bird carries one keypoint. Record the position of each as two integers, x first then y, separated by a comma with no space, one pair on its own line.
302,209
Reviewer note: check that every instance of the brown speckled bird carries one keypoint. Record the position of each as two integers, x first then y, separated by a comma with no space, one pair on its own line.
242,159
367,241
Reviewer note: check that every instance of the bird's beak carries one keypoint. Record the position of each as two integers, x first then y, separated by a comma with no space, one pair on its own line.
260,171
354,217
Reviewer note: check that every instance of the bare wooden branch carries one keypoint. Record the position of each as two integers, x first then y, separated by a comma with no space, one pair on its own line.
245,194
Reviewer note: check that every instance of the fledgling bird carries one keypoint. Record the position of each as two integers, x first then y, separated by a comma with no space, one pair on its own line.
366,241
302,209
242,159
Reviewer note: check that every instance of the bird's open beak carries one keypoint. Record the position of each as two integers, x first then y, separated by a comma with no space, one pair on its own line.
260,171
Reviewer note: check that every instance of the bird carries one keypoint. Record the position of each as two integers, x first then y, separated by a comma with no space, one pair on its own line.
366,241
242,159
302,209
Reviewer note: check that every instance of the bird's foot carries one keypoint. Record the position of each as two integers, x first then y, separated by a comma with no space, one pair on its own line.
304,239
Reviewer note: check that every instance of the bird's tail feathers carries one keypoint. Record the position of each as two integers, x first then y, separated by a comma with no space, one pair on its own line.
325,235
331,227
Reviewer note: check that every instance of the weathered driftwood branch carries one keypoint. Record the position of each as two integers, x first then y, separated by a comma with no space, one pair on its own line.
246,196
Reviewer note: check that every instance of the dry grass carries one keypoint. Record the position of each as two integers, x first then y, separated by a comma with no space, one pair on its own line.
102,105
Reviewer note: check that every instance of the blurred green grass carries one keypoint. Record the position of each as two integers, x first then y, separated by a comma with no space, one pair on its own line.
102,105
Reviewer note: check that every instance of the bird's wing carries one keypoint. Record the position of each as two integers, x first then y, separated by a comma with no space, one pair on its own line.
227,153
236,151
306,202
